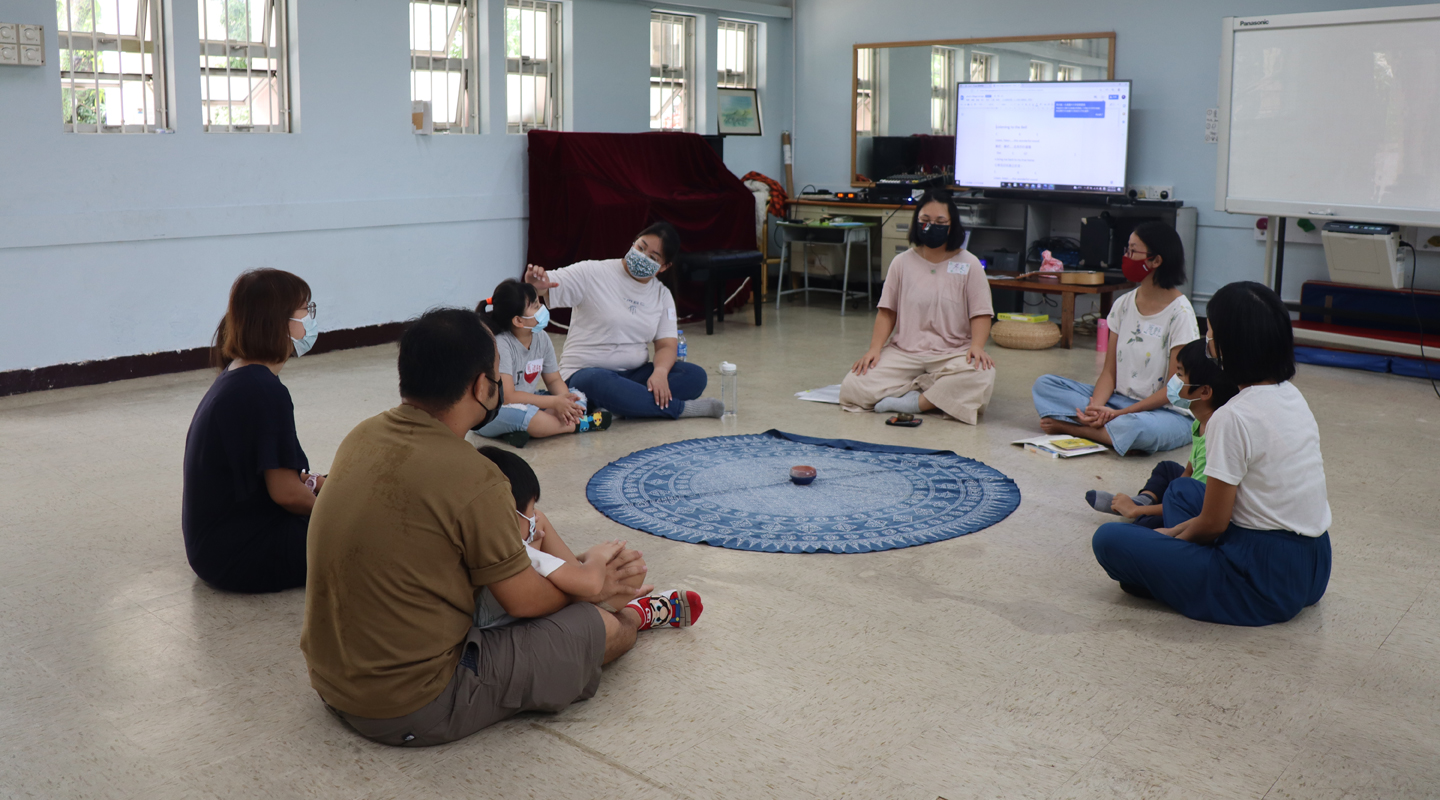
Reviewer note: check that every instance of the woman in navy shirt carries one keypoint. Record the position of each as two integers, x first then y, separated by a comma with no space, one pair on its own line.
248,491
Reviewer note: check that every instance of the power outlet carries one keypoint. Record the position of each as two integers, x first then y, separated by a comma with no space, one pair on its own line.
1151,192
1426,239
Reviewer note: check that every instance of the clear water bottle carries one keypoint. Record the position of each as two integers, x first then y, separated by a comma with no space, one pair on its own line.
681,349
729,391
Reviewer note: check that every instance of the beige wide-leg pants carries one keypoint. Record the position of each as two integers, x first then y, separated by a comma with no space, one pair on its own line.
948,381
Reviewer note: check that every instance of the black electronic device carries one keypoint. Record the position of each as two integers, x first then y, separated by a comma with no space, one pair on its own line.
901,189
1001,260
850,197
893,155
1363,228
904,421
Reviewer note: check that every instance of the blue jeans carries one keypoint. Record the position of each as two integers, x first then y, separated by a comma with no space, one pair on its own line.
624,394
1144,432
1247,577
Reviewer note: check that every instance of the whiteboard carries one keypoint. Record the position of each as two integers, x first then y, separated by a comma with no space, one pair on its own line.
1332,114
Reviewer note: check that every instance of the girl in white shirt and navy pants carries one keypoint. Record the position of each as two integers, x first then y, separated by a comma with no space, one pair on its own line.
1251,545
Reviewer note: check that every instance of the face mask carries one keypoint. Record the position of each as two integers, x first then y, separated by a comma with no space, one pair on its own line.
1209,347
640,265
312,332
932,234
492,413
541,317
1172,392
1135,269
531,520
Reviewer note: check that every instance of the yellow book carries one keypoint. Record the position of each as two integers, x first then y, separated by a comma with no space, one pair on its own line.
1074,443
1013,317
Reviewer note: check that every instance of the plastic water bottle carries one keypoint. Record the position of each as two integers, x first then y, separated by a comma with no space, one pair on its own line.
1102,336
681,349
729,391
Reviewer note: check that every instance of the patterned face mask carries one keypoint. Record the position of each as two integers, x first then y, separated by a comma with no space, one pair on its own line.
531,520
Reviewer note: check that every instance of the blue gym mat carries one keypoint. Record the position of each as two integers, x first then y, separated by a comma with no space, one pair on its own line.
735,492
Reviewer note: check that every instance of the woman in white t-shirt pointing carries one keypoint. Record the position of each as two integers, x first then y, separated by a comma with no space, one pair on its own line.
1250,546
1127,407
620,308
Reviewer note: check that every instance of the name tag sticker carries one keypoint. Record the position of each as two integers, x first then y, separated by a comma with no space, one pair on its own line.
1151,329
671,313
958,268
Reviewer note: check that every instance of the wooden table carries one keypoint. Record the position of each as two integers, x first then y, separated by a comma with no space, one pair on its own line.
1067,292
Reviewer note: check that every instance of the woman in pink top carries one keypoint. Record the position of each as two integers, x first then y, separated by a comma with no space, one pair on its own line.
936,302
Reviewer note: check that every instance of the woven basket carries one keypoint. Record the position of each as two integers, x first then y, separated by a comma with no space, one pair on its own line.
1025,335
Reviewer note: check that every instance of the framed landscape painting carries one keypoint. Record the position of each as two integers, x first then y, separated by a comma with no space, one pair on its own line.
739,112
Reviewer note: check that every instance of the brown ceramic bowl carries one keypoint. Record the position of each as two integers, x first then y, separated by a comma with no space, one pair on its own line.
802,475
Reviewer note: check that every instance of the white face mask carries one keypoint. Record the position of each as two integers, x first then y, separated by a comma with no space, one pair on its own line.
312,332
531,520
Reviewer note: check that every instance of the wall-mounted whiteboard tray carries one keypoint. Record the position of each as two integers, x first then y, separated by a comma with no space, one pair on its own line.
1332,115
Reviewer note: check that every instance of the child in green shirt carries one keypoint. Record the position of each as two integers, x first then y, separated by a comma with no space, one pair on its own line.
1198,386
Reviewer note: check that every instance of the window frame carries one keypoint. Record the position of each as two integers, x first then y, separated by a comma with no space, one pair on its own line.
278,15
942,90
1046,69
553,64
465,27
990,65
665,75
150,32
750,77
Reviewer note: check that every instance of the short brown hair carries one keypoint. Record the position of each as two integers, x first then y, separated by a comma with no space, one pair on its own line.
256,325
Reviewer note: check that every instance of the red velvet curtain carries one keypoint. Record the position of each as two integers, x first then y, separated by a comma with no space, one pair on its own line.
590,193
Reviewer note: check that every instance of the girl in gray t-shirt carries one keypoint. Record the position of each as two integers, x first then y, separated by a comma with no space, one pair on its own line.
538,404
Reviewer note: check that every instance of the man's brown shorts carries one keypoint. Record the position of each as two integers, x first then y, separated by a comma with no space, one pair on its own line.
540,664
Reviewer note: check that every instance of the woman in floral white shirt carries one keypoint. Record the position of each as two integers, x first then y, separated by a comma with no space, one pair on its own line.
1127,408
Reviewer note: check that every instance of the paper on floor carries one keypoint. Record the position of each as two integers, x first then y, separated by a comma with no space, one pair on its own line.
826,394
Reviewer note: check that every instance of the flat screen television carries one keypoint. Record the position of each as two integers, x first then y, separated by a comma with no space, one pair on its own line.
1061,136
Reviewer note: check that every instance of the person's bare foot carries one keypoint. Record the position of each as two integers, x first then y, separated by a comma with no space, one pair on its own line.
1050,426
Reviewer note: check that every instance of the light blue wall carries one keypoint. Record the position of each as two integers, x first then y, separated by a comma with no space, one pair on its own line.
1171,50
127,244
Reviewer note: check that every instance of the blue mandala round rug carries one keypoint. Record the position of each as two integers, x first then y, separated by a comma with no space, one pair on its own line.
735,492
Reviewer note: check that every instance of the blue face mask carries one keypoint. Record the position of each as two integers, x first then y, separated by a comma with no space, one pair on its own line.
541,317
640,265
312,332
1172,392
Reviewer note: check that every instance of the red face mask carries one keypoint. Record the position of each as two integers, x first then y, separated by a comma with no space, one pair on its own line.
1135,269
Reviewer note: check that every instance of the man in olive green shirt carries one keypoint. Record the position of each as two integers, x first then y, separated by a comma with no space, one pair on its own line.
411,524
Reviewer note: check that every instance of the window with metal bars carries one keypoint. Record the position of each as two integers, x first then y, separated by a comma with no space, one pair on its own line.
445,62
867,91
533,55
942,90
1042,71
1070,73
672,72
245,65
737,62
982,67
112,66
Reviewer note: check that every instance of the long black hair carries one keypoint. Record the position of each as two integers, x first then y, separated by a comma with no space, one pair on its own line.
669,240
509,300
1252,333
956,239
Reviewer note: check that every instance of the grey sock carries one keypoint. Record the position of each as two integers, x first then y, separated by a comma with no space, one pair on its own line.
1100,501
908,403
702,407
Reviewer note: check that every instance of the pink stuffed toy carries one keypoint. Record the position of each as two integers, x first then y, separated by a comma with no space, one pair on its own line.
1049,263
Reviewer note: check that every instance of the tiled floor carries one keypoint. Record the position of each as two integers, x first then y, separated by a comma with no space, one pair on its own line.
1001,664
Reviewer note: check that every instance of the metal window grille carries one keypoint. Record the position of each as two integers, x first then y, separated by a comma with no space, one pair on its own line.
982,67
1042,71
942,90
1069,73
672,72
112,66
245,65
533,54
738,57
445,62
866,92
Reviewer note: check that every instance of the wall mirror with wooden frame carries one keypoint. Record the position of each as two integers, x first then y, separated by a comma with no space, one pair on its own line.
902,109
